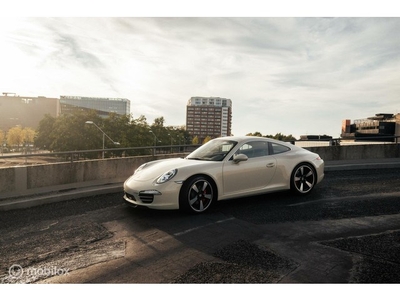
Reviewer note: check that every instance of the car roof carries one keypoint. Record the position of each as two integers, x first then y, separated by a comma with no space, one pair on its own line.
253,138
245,138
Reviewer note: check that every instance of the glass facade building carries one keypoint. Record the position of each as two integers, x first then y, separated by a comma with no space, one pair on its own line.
103,106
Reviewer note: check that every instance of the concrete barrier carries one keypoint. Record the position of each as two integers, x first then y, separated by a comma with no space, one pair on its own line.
352,152
30,180
36,179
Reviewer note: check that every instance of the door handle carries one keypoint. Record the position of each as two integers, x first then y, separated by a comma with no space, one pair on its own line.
270,165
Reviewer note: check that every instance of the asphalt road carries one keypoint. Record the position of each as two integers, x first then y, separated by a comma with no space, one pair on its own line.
347,230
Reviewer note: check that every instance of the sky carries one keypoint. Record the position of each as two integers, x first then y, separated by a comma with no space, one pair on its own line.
285,73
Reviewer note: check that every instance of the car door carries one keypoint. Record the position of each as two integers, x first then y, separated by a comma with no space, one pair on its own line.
251,175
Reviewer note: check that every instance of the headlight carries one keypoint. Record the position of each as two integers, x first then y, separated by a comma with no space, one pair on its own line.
167,176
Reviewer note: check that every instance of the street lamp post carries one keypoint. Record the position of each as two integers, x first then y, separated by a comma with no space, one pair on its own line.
179,139
104,135
155,142
171,141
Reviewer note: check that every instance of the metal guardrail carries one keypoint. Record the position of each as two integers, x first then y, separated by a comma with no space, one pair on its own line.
395,139
155,150
115,152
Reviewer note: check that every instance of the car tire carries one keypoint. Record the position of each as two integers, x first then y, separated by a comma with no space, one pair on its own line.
303,179
197,195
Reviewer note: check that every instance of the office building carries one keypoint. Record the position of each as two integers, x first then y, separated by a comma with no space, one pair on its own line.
209,116
103,106
25,111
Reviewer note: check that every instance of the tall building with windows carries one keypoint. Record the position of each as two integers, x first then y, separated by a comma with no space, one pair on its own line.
209,116
103,106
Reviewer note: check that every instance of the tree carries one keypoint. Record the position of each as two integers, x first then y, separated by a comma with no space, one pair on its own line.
278,136
182,134
28,135
116,126
71,133
281,137
2,139
163,137
195,140
15,137
254,134
44,138
158,122
138,135
207,139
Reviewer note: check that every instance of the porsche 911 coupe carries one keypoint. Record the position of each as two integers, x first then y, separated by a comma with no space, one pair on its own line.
224,168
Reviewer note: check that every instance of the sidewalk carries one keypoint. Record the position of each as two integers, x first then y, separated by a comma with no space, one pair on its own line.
69,194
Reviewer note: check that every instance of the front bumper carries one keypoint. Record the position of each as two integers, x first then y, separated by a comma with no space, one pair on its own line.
163,196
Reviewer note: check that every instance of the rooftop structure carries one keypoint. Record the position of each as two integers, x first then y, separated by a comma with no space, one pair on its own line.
381,127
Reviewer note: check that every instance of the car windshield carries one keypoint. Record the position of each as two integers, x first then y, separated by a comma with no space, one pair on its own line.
215,150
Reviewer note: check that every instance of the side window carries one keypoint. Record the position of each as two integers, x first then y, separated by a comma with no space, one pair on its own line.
254,149
278,148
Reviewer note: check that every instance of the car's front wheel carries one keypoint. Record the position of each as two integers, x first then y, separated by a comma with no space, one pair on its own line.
197,195
303,179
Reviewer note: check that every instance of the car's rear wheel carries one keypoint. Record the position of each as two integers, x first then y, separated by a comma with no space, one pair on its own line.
303,179
197,195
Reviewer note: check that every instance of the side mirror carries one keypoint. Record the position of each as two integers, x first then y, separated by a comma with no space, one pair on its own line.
240,157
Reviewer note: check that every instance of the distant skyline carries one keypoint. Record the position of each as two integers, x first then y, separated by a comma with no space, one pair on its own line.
290,75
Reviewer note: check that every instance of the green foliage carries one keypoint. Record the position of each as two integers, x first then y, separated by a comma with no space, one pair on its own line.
255,134
279,136
15,136
43,139
72,132
158,122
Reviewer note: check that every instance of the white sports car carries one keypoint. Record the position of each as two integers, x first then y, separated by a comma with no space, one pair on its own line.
224,168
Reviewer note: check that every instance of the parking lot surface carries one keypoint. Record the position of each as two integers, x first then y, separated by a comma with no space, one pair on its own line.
346,231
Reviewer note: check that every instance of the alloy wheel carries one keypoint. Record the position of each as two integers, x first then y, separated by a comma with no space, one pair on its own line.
303,179
200,195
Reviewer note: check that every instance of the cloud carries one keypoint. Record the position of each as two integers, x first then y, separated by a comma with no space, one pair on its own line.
289,75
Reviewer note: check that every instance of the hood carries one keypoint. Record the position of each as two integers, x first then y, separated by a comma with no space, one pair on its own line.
154,169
